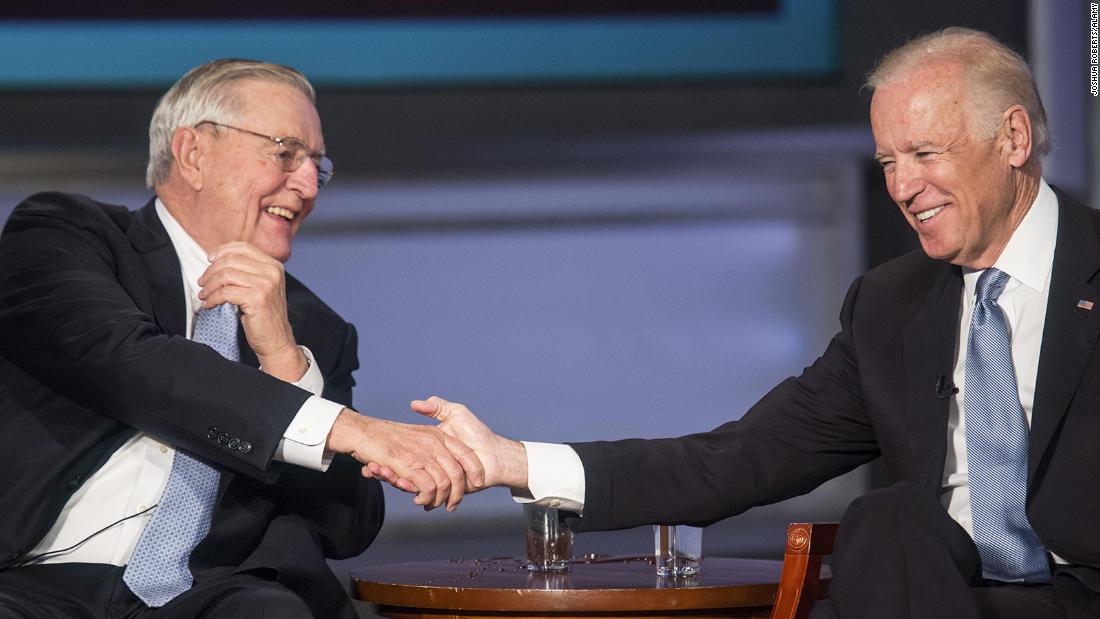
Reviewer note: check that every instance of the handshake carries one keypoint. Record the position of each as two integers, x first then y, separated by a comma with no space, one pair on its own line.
440,463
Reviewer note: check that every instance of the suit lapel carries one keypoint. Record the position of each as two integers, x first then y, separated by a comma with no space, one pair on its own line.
1070,332
162,267
929,349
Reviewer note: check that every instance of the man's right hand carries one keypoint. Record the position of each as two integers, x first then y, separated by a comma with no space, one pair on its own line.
505,460
422,459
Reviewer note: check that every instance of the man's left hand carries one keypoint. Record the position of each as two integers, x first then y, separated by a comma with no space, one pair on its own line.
242,274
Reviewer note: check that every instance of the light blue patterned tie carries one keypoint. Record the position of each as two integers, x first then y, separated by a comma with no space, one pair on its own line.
997,445
157,571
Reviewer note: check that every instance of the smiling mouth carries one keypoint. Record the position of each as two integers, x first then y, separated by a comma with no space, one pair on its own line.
280,212
929,214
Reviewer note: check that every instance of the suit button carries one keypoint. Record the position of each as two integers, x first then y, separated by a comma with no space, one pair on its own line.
223,438
15,555
75,482
246,447
211,433
234,443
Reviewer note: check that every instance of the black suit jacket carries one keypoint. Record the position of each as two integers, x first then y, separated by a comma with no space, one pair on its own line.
93,350
873,394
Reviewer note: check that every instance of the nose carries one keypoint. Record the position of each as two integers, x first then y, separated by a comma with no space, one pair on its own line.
905,182
304,179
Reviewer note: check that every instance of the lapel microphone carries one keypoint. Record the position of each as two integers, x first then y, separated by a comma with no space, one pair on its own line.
945,389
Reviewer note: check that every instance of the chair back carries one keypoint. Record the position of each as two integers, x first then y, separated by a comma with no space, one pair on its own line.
801,584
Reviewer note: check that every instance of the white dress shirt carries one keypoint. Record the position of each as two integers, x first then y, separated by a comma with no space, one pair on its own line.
134,477
555,472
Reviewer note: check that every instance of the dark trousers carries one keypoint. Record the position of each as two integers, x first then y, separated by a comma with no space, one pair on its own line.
85,590
898,554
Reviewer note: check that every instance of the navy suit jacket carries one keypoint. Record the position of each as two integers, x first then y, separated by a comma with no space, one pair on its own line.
872,394
93,350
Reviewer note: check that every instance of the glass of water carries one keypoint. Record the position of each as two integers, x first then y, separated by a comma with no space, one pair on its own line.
678,549
549,540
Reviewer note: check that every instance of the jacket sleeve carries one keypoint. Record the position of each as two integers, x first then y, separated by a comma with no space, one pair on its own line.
804,432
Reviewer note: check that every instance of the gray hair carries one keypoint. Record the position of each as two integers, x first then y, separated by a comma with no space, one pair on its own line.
207,93
998,77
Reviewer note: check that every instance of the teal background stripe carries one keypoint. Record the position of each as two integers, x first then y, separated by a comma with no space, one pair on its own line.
800,40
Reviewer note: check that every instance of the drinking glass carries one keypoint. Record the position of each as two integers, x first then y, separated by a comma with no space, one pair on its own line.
549,540
678,549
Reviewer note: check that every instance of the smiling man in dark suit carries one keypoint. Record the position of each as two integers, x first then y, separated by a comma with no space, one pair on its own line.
152,461
970,368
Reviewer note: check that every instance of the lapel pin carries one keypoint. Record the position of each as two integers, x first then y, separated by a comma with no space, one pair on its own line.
1085,305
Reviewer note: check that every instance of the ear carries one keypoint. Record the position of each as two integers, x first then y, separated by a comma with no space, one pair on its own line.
188,149
1016,129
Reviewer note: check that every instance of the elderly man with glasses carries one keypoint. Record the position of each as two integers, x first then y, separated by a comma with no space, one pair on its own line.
175,407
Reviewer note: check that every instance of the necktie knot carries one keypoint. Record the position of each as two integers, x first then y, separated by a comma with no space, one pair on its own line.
991,283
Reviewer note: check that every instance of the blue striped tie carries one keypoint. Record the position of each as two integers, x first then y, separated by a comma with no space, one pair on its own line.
997,445
157,571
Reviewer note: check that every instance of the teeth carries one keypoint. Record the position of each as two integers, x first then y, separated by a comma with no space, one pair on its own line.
929,214
281,212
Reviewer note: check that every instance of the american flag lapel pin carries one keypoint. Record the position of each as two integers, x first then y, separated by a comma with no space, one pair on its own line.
1085,304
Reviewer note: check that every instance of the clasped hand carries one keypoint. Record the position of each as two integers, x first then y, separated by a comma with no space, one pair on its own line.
420,459
500,461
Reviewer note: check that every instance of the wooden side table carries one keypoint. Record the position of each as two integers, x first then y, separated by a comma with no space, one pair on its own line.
604,587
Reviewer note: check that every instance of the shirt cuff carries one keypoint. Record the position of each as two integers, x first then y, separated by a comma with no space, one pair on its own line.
312,381
555,477
303,443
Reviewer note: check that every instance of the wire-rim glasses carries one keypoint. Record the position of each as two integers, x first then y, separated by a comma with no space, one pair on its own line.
291,155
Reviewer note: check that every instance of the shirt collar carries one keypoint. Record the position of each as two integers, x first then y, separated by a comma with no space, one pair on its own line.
1029,254
192,257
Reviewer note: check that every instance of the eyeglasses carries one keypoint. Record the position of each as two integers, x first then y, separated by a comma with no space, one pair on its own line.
291,155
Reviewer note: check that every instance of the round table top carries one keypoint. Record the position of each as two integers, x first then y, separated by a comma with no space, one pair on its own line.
591,584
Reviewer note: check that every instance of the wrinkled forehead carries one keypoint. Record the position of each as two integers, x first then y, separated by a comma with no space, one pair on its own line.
943,83
929,101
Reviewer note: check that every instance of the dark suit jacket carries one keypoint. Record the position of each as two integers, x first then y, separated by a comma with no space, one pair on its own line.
873,394
92,350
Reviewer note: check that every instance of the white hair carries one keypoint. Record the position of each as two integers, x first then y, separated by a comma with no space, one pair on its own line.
207,93
997,77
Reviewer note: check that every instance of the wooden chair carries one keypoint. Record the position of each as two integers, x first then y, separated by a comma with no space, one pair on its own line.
800,584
